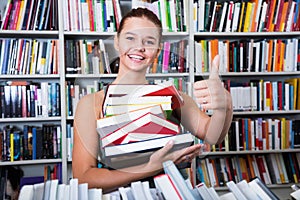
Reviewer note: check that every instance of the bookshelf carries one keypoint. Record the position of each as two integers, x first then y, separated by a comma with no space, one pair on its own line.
62,34
207,33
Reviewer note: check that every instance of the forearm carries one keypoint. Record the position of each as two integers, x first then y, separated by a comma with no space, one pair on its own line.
219,123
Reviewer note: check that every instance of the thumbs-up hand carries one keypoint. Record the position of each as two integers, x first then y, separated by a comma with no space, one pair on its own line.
211,93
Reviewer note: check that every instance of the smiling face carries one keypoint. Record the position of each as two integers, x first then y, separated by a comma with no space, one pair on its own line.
138,44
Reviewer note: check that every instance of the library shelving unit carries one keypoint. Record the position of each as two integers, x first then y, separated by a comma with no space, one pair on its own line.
245,78
87,82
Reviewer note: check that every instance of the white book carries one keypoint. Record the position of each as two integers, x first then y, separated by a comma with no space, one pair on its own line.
247,190
213,193
61,191
95,193
296,195
26,192
236,15
38,191
258,190
74,189
53,189
47,189
147,190
203,191
66,195
137,190
123,192
200,14
167,187
170,169
228,196
83,191
235,190
222,20
198,57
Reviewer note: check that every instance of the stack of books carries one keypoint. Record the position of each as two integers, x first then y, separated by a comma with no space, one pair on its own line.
137,122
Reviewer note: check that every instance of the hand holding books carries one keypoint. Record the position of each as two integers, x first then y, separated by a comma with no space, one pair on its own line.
129,136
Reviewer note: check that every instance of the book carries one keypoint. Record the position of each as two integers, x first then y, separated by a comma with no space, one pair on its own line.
148,123
136,153
110,124
263,189
132,90
235,190
166,186
26,192
178,180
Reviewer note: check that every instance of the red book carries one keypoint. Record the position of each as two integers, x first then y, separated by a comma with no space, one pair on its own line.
148,123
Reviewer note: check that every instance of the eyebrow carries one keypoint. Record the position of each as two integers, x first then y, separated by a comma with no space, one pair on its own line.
131,33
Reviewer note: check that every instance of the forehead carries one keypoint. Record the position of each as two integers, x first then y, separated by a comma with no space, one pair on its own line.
138,25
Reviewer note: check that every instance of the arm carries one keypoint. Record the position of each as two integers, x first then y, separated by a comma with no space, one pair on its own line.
215,97
85,151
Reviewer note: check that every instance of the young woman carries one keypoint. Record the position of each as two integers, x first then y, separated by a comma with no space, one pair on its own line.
138,42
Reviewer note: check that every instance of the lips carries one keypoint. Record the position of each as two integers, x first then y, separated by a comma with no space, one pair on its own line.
136,57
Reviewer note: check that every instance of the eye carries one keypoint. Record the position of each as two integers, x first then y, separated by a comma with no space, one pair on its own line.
129,38
149,42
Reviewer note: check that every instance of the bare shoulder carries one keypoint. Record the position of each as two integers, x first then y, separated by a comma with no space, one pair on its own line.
91,103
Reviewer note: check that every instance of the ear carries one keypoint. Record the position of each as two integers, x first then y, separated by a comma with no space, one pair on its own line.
116,42
159,49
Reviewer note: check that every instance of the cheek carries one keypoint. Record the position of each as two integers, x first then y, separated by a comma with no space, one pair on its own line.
125,46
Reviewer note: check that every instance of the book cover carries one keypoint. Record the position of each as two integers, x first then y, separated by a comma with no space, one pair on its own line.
148,123
135,153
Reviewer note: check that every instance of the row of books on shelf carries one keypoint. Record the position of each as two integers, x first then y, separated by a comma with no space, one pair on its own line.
91,57
172,58
266,55
29,15
29,56
276,168
246,134
30,142
105,16
86,57
27,99
246,16
264,95
100,16
173,14
74,91
169,185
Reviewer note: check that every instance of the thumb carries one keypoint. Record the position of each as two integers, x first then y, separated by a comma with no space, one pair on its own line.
214,70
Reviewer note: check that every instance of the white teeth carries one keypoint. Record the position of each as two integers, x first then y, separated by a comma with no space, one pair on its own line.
136,57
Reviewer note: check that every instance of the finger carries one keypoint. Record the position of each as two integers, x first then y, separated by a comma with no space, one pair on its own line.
201,93
166,148
214,71
200,85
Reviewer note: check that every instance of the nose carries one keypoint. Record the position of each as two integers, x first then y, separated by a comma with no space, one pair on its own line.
140,46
